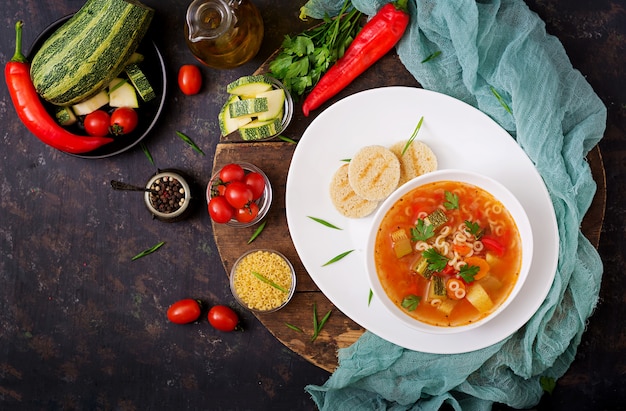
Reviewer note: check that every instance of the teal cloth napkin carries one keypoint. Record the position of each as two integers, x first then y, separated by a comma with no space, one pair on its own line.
556,118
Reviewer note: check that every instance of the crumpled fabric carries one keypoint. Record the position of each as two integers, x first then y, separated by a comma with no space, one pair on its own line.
557,119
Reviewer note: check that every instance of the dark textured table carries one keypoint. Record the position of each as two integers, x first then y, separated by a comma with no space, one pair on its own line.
83,327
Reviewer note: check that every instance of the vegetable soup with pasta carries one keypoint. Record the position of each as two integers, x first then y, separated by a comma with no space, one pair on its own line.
448,253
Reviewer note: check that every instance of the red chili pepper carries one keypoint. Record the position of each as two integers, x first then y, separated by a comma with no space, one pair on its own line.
493,245
32,112
376,38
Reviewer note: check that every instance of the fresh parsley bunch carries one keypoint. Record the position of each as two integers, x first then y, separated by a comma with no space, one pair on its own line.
303,59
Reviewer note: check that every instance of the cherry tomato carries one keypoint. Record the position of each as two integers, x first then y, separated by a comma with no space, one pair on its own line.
184,311
97,123
223,318
247,213
123,120
220,188
232,172
256,183
237,194
220,211
189,79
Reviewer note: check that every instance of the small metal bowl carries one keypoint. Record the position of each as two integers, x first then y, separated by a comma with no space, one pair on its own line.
182,208
264,202
263,281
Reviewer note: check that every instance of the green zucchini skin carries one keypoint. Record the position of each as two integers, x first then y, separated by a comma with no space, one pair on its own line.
89,50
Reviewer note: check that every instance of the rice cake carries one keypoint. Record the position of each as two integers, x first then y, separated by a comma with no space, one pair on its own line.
417,160
374,172
345,200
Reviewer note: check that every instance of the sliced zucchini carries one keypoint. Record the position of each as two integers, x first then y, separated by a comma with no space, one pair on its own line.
248,107
275,104
226,122
249,86
135,58
256,130
91,104
122,94
421,267
65,116
140,81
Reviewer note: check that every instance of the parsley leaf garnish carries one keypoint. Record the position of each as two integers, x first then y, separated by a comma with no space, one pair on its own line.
422,231
436,261
468,272
452,201
474,229
410,302
304,58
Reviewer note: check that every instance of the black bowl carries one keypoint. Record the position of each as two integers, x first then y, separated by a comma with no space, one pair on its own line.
153,67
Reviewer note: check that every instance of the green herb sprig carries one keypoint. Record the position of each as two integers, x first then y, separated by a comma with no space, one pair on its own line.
270,282
293,327
431,56
452,201
422,231
436,261
148,251
410,302
468,272
145,150
474,229
324,222
257,232
501,100
303,59
189,141
413,136
287,140
337,258
317,326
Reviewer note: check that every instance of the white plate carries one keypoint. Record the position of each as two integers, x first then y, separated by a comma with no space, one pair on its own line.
461,137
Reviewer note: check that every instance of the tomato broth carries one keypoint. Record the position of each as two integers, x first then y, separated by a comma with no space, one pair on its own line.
448,253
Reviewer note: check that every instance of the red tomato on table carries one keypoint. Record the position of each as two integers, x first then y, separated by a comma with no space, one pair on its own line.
184,311
223,318
189,79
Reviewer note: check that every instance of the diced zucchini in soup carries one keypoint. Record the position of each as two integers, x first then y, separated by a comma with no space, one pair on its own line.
401,243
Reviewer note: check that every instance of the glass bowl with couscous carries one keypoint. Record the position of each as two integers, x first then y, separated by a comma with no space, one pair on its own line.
263,281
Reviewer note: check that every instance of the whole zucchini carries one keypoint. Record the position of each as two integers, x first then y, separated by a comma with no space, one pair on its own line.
88,51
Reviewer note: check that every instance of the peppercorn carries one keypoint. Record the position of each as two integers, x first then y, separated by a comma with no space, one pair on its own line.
169,196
